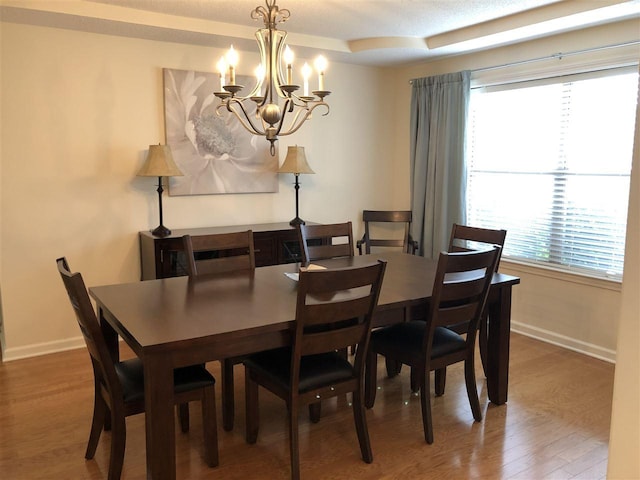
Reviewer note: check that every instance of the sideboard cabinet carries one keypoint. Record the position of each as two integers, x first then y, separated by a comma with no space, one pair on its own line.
274,243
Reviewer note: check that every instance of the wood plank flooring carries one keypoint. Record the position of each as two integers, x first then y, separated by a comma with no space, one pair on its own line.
554,426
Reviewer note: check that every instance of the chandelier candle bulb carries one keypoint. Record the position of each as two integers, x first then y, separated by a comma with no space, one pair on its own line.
222,69
232,60
306,73
288,60
259,73
321,66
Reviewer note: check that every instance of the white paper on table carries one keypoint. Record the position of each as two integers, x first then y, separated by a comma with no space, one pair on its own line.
295,276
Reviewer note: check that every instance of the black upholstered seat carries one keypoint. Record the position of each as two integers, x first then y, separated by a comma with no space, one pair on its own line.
411,335
315,370
130,373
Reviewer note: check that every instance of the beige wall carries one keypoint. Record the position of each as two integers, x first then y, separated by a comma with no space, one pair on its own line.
79,111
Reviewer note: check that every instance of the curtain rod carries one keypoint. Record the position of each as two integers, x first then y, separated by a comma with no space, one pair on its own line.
559,56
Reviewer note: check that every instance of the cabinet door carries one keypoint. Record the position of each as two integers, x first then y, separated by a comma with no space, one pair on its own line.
289,247
160,257
170,258
265,245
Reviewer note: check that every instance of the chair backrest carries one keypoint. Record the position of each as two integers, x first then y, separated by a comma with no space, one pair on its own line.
103,367
218,253
465,238
387,216
334,310
317,241
460,291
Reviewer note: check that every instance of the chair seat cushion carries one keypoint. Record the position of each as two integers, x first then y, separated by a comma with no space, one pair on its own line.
131,374
408,337
315,370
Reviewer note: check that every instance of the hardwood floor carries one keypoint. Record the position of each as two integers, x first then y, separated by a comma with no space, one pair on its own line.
554,426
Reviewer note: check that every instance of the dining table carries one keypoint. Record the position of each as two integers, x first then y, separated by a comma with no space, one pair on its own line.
179,321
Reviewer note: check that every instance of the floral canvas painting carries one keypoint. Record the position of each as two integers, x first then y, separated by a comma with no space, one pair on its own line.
214,152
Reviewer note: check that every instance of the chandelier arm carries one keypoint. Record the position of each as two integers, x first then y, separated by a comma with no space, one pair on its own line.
297,122
299,102
288,104
232,105
323,104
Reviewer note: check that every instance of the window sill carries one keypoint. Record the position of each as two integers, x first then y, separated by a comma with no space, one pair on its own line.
550,272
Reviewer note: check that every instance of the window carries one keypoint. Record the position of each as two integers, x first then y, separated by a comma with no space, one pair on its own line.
549,161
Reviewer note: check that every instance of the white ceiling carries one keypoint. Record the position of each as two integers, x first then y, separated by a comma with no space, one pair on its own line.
368,32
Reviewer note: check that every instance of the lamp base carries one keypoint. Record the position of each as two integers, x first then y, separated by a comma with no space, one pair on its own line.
296,221
161,231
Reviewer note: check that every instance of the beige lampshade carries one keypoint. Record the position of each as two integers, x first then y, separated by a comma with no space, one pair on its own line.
295,162
159,163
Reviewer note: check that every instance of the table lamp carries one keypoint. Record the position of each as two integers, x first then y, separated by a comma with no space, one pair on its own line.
159,163
296,162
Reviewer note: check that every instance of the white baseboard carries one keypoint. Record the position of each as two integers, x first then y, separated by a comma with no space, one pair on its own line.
566,342
534,332
42,349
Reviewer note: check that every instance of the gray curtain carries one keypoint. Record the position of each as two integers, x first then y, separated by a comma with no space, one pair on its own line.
439,108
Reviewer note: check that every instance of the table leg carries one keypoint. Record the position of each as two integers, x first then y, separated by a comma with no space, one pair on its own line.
159,421
498,344
110,336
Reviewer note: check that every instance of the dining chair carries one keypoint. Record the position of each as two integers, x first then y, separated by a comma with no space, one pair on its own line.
322,241
334,309
387,217
317,243
219,253
460,292
119,386
465,238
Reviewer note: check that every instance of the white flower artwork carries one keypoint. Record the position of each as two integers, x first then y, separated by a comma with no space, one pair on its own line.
214,152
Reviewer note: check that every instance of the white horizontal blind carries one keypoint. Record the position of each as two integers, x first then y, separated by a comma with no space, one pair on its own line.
549,161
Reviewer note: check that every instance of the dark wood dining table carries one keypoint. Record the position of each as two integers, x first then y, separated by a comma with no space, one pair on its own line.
180,321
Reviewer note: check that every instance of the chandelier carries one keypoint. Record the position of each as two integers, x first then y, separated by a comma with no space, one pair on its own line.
279,110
